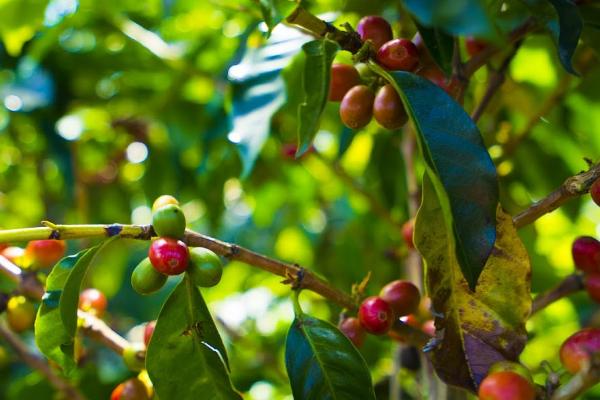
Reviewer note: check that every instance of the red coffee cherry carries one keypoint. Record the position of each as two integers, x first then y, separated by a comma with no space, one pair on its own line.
388,109
474,46
356,109
398,54
169,256
343,78
595,191
576,351
93,301
131,389
512,367
353,330
376,29
402,296
148,331
592,285
375,315
407,233
506,385
45,253
586,254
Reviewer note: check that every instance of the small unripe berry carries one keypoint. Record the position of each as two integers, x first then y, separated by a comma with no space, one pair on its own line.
169,221
586,254
205,267
436,76
595,191
376,29
20,313
343,78
164,200
576,351
353,330
388,109
148,331
133,356
93,301
145,279
402,296
45,253
356,109
506,385
169,256
407,233
398,55
375,315
131,389
474,46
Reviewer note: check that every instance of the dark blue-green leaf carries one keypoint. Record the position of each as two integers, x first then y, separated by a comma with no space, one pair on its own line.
317,71
275,11
440,46
323,364
186,357
458,162
570,26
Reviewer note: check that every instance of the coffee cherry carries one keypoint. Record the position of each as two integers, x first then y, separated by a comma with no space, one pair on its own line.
436,76
145,279
365,72
595,191
169,256
45,253
20,313
131,389
506,385
398,55
512,367
375,315
133,356
592,285
576,351
376,29
353,330
205,267
474,46
343,78
586,254
148,331
402,296
409,320
429,327
388,109
169,221
356,108
407,233
93,301
164,200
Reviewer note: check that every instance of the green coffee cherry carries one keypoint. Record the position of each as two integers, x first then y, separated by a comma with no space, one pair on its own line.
169,221
205,267
145,279
133,357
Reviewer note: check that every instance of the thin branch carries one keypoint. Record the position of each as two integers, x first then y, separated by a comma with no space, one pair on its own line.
573,187
38,364
571,284
580,382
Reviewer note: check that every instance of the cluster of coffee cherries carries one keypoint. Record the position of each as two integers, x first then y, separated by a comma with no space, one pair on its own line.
169,255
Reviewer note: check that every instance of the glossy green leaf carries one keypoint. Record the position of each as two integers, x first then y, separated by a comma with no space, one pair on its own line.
468,17
440,46
323,364
275,11
477,328
459,164
570,27
317,73
186,356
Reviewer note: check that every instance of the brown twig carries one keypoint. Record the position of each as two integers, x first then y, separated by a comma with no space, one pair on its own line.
571,284
580,382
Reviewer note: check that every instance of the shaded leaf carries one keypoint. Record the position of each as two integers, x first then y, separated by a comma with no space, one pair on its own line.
440,46
186,356
346,138
275,11
483,327
459,164
570,27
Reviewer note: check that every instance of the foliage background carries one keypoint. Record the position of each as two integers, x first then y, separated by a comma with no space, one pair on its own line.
107,106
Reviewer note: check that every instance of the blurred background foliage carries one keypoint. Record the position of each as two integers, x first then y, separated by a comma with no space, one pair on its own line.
106,106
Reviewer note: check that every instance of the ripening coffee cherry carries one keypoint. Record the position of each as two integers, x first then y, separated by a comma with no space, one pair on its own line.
512,367
93,301
20,313
576,351
429,327
353,330
402,296
410,320
586,254
133,356
398,55
388,109
343,78
474,46
375,315
595,191
407,233
45,253
356,109
169,256
592,285
205,268
148,331
376,29
145,279
169,221
506,385
131,389
164,200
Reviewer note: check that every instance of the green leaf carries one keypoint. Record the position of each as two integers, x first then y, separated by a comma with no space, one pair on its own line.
275,11
323,364
317,71
570,27
483,327
440,46
186,356
459,164
56,321
467,17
